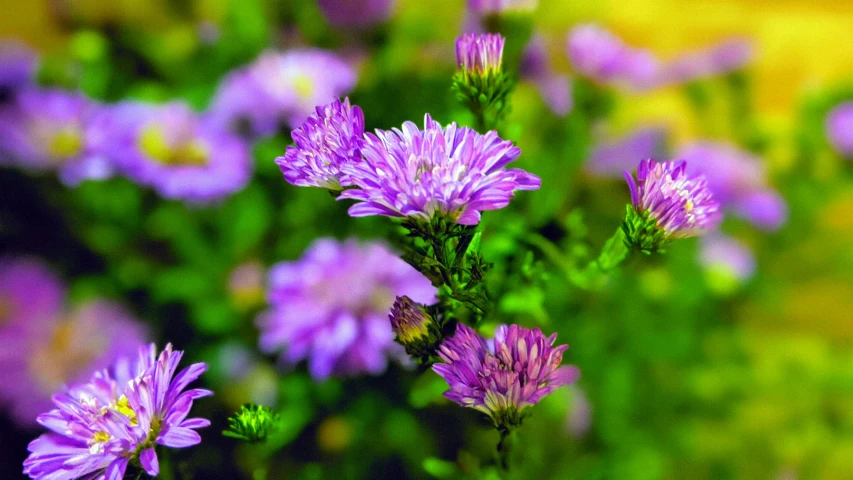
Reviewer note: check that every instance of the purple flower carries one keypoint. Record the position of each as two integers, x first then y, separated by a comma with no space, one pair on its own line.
555,89
281,87
725,57
330,138
356,13
490,7
602,57
331,307
680,204
120,416
610,159
17,68
738,181
30,295
480,53
65,350
839,129
520,368
453,171
178,153
728,256
54,130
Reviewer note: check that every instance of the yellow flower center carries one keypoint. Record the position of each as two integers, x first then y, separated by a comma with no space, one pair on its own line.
153,142
96,444
123,408
303,87
65,143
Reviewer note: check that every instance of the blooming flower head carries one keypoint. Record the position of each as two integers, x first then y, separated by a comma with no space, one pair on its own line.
282,86
53,130
668,203
491,7
356,13
602,57
839,129
331,307
480,53
64,350
502,379
178,153
120,416
454,171
329,138
738,181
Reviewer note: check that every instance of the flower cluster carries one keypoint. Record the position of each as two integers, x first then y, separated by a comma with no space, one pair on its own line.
839,129
65,345
329,139
119,417
738,181
667,203
452,171
281,86
603,57
503,377
331,307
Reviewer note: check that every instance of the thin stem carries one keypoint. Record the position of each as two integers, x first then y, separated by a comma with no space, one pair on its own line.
503,448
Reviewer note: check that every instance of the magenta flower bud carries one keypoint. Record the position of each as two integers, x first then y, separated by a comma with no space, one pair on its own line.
480,53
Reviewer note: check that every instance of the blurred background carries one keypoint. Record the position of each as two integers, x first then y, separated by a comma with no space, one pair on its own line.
731,356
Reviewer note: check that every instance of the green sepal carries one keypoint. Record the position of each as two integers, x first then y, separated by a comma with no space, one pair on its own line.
643,233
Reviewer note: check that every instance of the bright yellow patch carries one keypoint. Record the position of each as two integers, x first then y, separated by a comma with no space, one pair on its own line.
123,408
101,437
65,144
303,87
153,142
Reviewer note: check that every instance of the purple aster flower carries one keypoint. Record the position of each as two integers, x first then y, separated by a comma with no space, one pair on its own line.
604,58
739,182
516,371
555,89
330,138
491,7
679,204
178,153
282,87
839,129
728,256
725,57
120,416
331,307
54,130
62,350
30,295
356,13
480,53
453,171
610,159
17,68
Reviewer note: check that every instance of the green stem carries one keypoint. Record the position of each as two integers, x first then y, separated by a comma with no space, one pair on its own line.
503,448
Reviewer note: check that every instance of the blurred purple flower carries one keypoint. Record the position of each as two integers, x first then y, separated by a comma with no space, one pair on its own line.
17,69
555,88
610,159
727,254
738,180
54,130
31,295
178,153
356,13
602,57
490,7
52,353
331,307
728,56
119,417
479,53
681,204
453,171
281,86
330,138
839,129
520,368
579,420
